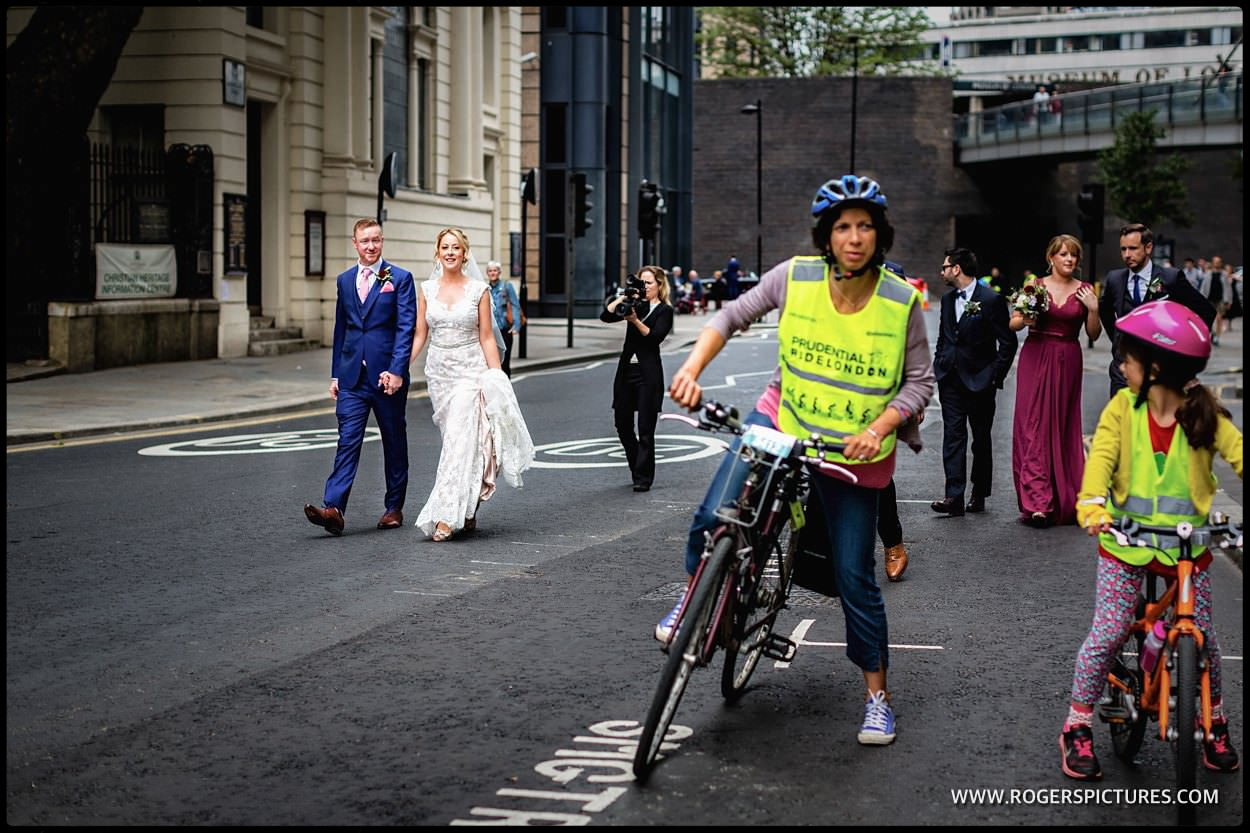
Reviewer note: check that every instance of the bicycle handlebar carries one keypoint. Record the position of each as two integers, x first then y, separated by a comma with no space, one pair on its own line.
719,418
1126,531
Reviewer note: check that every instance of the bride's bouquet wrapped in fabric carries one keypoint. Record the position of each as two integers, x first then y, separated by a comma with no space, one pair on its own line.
1030,300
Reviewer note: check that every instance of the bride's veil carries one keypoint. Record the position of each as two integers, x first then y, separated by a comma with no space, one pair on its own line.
474,273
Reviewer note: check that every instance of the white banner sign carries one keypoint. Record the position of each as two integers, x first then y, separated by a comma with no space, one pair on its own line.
135,271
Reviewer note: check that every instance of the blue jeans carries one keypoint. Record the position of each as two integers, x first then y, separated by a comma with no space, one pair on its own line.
851,515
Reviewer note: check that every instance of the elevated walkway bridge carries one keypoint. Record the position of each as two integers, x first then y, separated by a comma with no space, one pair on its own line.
1203,111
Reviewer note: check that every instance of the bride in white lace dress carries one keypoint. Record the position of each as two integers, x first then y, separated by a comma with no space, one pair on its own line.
475,409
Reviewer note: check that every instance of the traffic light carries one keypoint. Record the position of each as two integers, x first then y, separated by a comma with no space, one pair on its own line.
581,205
1089,209
650,207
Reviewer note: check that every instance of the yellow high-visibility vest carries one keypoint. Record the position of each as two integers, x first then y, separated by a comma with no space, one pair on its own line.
839,371
1155,498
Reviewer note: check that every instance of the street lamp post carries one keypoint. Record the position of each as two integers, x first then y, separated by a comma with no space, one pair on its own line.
854,92
758,109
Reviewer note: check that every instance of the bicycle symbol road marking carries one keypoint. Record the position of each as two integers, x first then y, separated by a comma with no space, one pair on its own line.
606,452
255,443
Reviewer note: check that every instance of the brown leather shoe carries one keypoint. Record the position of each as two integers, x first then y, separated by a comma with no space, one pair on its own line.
329,518
895,562
392,519
952,506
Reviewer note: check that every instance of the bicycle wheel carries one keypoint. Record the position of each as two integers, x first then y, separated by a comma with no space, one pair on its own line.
1186,714
755,613
1126,733
684,653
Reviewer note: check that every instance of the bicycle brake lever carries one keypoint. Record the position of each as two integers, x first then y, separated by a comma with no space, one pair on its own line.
843,473
689,420
1121,538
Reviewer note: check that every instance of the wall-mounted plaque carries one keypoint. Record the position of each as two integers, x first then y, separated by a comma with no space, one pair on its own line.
236,233
233,83
314,243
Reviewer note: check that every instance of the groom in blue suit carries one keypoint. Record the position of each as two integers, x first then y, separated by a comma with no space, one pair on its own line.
374,325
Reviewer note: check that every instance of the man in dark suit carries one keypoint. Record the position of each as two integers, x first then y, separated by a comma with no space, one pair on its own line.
375,322
975,348
1124,289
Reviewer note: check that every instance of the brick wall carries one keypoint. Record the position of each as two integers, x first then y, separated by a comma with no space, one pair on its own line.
1005,212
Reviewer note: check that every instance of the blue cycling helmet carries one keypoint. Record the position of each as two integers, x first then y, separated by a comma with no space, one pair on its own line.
850,191
845,189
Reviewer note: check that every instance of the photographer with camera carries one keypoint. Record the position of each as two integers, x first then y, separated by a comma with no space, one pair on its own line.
639,384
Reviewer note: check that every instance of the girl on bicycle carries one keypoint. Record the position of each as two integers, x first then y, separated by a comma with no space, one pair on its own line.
1155,474
855,367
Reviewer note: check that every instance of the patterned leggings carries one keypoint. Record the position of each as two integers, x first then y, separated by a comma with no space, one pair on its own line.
1115,611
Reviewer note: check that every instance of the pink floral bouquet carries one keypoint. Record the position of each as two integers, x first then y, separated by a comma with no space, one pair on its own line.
1030,300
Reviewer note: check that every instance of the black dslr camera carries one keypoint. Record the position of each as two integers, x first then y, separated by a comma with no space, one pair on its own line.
634,294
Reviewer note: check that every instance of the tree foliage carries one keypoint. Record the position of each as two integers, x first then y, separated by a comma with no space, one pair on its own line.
1142,188
813,41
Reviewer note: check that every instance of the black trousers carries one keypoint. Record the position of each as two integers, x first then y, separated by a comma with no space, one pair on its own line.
640,447
889,527
506,364
962,410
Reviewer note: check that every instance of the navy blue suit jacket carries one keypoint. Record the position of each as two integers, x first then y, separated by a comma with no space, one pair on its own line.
378,333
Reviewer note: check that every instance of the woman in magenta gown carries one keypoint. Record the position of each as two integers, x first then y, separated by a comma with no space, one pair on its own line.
1047,454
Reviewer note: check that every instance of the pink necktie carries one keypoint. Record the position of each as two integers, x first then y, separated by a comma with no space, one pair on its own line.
364,283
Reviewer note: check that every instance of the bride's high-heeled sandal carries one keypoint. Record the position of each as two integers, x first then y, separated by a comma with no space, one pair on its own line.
442,532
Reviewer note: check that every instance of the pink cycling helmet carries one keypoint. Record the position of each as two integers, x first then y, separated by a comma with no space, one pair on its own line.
1169,326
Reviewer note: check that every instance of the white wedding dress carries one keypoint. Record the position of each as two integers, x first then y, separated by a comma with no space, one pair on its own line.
475,409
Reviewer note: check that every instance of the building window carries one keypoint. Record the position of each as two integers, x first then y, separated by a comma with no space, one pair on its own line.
423,125
993,48
396,53
1162,40
490,58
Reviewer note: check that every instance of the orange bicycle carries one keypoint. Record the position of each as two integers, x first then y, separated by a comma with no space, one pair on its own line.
1177,690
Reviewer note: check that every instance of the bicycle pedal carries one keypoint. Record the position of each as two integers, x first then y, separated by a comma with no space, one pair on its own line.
779,648
1114,714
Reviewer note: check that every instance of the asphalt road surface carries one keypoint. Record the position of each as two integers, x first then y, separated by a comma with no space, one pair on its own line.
184,648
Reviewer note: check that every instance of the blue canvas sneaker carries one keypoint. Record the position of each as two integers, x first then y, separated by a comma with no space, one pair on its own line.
664,630
878,728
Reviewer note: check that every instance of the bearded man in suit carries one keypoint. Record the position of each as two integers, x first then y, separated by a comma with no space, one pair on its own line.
1141,280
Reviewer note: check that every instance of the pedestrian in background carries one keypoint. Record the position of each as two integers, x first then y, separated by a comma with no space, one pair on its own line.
374,322
507,309
733,271
1218,291
1192,274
